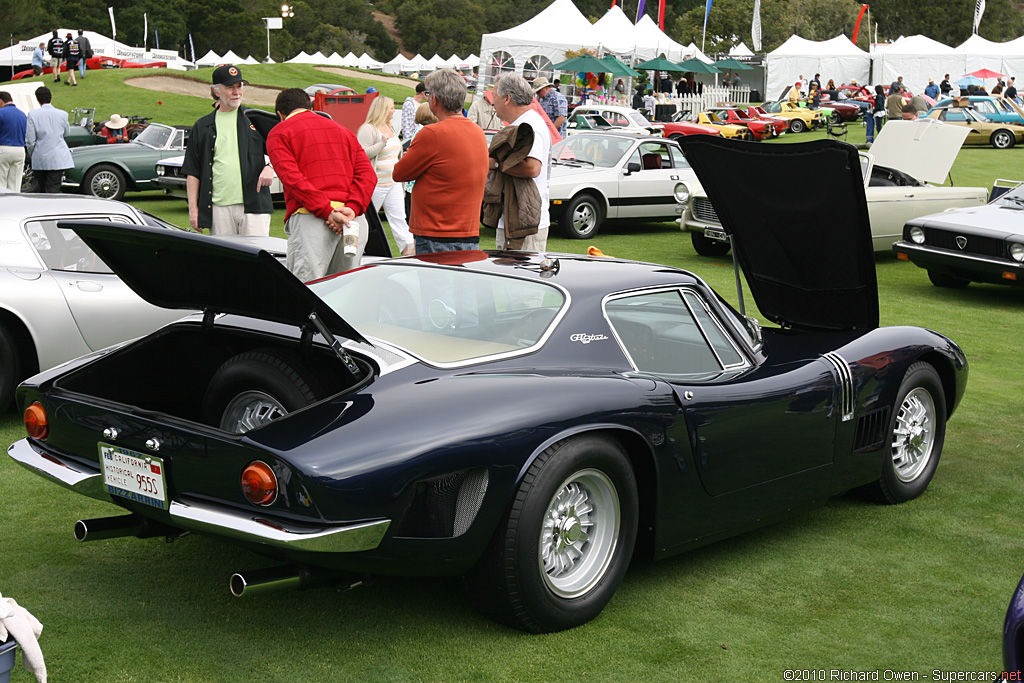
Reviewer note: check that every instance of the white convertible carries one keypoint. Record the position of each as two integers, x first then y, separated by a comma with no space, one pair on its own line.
897,170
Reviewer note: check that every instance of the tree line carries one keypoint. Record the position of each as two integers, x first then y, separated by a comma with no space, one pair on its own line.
455,26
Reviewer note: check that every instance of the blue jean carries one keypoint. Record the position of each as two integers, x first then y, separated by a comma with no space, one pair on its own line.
870,133
81,66
425,245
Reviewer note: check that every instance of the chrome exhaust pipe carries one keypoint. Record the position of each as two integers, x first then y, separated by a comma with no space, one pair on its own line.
290,576
125,525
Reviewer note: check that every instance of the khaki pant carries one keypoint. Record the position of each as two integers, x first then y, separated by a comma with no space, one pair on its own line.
536,242
12,167
233,220
316,251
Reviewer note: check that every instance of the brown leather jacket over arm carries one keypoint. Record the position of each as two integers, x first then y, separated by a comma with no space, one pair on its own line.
517,198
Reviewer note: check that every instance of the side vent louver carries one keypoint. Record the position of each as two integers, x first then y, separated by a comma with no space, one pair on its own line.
871,430
445,507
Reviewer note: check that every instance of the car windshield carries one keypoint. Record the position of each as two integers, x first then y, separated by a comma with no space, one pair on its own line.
1013,198
154,136
639,119
444,316
603,151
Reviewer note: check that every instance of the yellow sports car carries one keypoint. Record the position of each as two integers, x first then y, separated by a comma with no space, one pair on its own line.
984,131
728,130
800,118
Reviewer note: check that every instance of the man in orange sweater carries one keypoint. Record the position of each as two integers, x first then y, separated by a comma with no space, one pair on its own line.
449,161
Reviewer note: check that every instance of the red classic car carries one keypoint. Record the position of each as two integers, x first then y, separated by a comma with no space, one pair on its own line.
842,110
781,124
679,126
761,129
91,63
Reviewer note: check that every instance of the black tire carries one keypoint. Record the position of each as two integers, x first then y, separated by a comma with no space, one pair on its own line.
104,181
1002,139
797,126
256,387
678,137
917,429
708,247
10,367
29,181
582,218
947,281
836,117
542,527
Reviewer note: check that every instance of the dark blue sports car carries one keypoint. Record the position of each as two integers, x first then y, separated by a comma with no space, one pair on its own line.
1013,636
527,420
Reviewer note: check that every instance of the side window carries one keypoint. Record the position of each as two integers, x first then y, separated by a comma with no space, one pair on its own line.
62,249
663,335
678,158
985,107
179,140
655,155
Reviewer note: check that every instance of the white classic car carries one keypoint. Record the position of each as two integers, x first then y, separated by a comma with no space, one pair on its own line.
897,169
586,117
600,176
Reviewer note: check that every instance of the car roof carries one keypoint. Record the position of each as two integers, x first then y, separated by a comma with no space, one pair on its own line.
619,133
14,204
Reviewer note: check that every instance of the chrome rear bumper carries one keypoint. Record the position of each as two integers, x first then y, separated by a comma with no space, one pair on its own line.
210,519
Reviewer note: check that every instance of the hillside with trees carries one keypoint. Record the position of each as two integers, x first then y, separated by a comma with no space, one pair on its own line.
455,26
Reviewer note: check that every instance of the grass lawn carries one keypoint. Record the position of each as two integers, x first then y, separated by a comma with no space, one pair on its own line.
852,585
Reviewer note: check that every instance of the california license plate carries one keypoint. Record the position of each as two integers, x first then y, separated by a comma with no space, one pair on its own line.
716,234
133,475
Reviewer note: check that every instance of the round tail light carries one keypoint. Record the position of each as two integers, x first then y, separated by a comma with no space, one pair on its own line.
36,424
259,483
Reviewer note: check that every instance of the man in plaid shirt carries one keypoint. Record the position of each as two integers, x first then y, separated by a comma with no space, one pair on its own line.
409,125
552,101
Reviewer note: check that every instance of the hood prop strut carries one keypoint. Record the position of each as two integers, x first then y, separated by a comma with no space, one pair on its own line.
339,350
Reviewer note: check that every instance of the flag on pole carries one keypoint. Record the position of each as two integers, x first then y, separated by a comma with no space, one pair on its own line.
113,26
639,11
661,14
156,36
707,11
856,27
979,9
755,27
613,3
192,45
145,32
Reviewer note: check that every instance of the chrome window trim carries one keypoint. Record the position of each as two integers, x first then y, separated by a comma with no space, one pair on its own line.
678,289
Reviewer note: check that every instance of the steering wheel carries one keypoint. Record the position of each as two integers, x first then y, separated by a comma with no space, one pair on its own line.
528,330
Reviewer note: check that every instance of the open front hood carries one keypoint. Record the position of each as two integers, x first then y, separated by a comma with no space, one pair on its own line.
924,149
800,231
190,271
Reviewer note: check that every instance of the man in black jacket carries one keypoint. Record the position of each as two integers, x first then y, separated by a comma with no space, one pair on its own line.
86,47
55,47
226,174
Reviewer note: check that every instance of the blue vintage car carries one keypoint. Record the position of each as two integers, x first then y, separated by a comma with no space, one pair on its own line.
994,108
526,420
1013,634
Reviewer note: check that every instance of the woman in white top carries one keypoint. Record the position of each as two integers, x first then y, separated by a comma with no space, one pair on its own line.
384,148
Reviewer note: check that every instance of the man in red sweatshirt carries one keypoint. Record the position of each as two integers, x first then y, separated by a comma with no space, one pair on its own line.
449,161
328,182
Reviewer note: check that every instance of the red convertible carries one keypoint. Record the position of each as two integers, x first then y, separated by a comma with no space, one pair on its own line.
679,127
781,124
761,129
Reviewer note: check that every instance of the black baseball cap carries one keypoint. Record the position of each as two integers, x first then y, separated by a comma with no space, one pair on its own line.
227,75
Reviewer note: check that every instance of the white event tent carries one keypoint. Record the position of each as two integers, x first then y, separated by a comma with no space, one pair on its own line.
916,58
538,42
20,53
837,58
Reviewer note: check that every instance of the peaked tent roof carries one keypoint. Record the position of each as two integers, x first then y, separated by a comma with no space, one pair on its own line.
740,50
836,58
230,58
301,58
615,31
211,58
365,61
317,58
916,58
651,41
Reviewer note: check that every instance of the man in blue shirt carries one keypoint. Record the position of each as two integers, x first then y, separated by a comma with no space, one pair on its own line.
38,59
932,90
12,143
552,102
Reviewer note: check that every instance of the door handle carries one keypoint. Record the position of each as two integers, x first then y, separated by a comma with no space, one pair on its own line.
86,285
674,177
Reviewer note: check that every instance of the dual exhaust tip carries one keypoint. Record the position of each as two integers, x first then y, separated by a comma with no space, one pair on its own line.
248,583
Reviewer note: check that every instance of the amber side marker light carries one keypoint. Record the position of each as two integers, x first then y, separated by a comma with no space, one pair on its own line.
1007,275
902,257
36,424
259,483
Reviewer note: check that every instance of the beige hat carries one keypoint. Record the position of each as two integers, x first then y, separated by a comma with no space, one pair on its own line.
116,121
540,83
931,80
853,81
